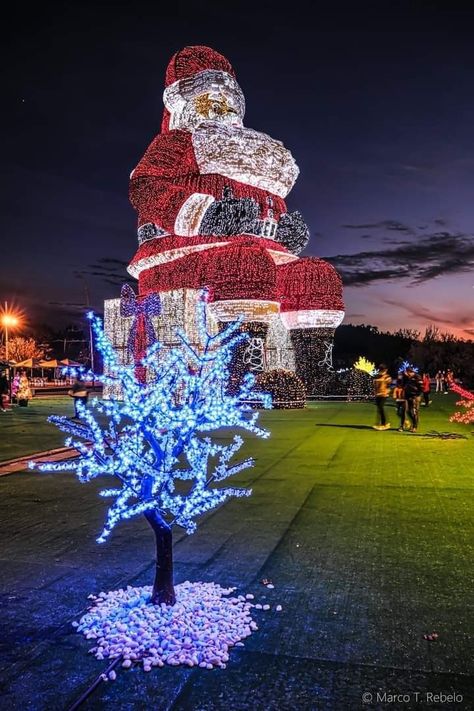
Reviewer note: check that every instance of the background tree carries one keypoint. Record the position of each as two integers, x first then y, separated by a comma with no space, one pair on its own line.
22,348
431,352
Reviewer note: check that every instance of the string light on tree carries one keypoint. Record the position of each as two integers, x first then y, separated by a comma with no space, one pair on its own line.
465,416
365,365
159,433
406,365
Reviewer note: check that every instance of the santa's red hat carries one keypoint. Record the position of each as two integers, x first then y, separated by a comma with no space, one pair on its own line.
192,60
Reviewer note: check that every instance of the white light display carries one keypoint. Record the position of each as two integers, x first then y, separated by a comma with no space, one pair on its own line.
279,351
326,360
254,355
190,215
312,318
178,311
249,309
245,155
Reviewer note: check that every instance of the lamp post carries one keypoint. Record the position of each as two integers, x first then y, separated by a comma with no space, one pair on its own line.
9,320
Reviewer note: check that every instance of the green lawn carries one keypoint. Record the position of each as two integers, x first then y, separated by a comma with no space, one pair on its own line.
367,536
25,430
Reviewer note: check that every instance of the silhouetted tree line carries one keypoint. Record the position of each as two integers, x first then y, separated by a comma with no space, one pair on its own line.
431,351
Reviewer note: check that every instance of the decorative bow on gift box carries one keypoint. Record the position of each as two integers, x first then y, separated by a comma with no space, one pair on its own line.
142,333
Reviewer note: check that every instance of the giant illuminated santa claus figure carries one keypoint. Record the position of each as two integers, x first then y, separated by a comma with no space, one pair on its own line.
210,196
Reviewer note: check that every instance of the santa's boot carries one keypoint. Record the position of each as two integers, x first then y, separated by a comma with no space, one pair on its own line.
313,357
311,308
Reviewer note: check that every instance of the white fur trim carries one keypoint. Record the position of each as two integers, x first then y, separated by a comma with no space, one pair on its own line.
170,255
249,309
189,218
312,318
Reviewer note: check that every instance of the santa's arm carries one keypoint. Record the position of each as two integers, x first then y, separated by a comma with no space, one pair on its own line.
164,187
173,197
173,208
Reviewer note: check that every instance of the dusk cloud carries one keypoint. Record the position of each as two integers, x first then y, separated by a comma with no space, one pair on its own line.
392,225
418,261
109,269
460,319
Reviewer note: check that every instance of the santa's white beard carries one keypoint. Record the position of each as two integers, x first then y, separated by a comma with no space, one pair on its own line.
244,155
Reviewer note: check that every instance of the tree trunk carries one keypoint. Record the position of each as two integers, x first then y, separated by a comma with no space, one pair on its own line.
163,590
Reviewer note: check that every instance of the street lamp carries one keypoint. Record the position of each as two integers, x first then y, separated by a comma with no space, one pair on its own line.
9,321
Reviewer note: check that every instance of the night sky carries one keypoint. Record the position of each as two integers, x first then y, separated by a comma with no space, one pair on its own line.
374,100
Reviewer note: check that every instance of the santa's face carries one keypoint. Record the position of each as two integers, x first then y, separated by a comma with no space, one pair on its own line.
209,96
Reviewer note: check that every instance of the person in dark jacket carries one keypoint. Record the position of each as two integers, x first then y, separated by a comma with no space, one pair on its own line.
413,388
4,391
78,393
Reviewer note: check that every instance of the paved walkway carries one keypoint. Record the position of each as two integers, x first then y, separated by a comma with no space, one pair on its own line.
51,455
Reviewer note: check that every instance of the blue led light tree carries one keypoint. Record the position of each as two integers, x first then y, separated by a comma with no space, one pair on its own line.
156,441
405,365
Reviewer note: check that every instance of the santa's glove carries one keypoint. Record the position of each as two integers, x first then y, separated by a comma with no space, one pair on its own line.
293,232
231,216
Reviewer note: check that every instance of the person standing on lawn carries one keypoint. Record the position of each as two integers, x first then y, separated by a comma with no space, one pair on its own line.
439,381
24,393
426,385
449,380
4,391
400,402
78,393
382,382
413,389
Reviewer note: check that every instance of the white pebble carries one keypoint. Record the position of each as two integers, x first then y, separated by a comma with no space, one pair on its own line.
199,630
278,608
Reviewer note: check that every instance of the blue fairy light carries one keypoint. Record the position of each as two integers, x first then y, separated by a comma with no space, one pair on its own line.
161,431
405,365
